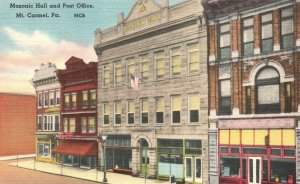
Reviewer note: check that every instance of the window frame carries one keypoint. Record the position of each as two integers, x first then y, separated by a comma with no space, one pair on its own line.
290,17
247,28
157,111
189,108
74,100
144,60
221,34
93,102
105,113
264,23
46,98
105,71
172,74
40,100
159,59
224,110
57,97
119,113
130,63
172,111
128,112
143,112
52,100
190,51
67,104
118,68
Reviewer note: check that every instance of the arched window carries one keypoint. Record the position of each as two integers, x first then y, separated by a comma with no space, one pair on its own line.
267,91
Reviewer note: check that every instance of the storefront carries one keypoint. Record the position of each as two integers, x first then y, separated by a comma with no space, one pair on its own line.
118,152
261,155
180,158
44,146
78,153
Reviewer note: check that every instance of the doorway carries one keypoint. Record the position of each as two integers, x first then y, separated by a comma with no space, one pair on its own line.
193,169
254,170
144,156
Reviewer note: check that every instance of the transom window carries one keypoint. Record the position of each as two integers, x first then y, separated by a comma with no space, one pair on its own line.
267,91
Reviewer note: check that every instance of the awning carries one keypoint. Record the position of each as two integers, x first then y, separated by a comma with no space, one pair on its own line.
77,147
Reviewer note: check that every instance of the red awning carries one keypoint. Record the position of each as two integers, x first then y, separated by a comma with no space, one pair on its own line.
77,147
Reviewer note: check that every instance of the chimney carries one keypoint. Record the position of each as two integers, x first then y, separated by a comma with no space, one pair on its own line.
120,18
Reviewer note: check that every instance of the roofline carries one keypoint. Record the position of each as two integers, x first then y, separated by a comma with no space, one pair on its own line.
17,94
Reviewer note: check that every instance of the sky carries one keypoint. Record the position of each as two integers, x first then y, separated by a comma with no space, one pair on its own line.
25,43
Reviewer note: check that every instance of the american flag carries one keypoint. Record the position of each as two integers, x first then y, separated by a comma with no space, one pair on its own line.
134,82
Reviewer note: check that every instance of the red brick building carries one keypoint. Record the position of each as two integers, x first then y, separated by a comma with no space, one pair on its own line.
79,145
254,98
17,125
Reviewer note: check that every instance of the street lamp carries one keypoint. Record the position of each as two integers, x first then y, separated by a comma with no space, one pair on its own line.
104,137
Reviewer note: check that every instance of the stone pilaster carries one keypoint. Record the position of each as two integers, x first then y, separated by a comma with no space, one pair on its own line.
213,153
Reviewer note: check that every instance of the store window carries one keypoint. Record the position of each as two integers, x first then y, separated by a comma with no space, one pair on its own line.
43,150
176,108
70,160
193,58
130,68
175,61
225,97
118,73
267,91
130,111
84,99
105,113
248,36
144,67
267,32
159,64
117,109
193,147
194,106
159,108
224,41
105,75
287,28
230,166
144,111
282,169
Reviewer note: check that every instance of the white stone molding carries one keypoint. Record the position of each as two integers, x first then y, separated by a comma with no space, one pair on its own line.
234,54
257,51
212,58
235,111
276,47
298,41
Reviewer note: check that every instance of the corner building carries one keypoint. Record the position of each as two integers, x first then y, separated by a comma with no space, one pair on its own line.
160,129
254,91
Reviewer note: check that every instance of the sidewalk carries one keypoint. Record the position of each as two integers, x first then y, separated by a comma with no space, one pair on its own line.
92,174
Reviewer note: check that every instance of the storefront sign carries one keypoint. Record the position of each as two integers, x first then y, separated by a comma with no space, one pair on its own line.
257,123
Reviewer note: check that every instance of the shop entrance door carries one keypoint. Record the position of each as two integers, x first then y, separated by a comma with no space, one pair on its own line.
193,169
254,170
144,156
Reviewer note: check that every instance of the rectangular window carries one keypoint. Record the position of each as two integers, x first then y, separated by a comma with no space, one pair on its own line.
72,125
66,125
230,166
225,97
84,99
40,100
92,125
288,98
93,98
224,41
45,123
52,99
83,125
248,100
144,111
144,67
159,107
176,108
287,28
39,123
105,113
193,57
46,99
267,32
67,101
130,68
248,36
176,61
118,72
194,106
159,64
105,75
57,122
118,110
130,112
57,97
74,100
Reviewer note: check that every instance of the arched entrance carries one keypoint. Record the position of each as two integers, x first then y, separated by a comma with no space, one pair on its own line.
144,156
